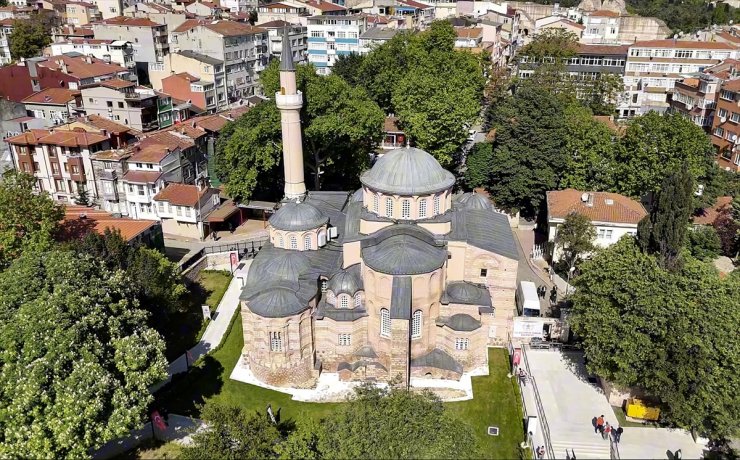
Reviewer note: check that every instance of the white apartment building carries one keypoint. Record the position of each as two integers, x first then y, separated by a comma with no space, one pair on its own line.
148,39
123,102
118,52
242,48
653,67
600,27
297,34
6,28
332,36
145,177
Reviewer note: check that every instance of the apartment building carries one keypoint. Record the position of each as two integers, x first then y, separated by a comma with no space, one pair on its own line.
6,28
696,99
239,6
109,167
297,34
148,39
653,67
601,27
81,13
117,52
122,101
148,168
290,11
725,134
158,12
242,48
332,36
56,105
110,8
183,209
68,31
183,86
60,160
204,9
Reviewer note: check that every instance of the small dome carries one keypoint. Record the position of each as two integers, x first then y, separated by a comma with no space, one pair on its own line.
464,291
344,282
463,322
288,265
294,216
407,171
277,302
403,250
474,200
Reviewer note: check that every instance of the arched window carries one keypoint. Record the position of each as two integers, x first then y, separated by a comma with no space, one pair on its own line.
375,202
344,301
406,209
323,286
385,322
307,242
389,207
422,208
276,341
281,241
416,325
436,205
293,242
358,300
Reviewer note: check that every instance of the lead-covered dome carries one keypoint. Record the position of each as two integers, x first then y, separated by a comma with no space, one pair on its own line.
294,216
472,200
407,171
345,282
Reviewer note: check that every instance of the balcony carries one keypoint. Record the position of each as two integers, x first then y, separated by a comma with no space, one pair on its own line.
150,125
108,174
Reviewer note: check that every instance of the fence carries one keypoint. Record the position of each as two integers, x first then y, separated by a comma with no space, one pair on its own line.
540,407
248,249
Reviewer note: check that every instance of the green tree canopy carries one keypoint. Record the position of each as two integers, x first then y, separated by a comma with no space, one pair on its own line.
575,238
479,165
28,39
27,220
341,127
76,356
666,332
704,243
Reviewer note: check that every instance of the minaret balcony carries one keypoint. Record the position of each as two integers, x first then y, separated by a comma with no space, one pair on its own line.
289,101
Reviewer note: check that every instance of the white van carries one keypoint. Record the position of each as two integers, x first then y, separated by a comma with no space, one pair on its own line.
527,300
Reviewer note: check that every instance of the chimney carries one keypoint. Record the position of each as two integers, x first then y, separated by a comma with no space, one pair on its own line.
88,59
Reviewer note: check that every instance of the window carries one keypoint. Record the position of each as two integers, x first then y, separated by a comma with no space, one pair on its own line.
722,113
727,95
161,206
323,286
461,344
422,208
416,325
345,340
684,54
140,190
389,207
187,211
436,205
179,210
406,209
385,322
120,104
276,341
281,242
719,131
375,203
307,242
344,301
109,103
483,272
605,234
293,242
358,300
75,169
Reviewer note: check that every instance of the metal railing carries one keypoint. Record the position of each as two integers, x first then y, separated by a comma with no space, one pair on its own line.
539,406
613,448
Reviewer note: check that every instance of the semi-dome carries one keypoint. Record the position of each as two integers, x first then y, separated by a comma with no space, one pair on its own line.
407,171
463,322
288,266
403,250
344,282
294,217
464,291
474,200
276,302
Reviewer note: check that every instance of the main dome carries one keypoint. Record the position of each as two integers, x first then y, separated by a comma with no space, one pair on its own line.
297,217
407,171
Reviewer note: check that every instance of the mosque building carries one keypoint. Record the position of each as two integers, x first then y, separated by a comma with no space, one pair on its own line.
399,279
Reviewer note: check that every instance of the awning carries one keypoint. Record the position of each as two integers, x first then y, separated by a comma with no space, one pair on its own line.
223,212
261,205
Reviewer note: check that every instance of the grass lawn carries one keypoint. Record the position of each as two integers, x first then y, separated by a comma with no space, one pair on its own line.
186,328
152,449
496,400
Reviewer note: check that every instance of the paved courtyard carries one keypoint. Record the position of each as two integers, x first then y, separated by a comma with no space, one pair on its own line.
571,402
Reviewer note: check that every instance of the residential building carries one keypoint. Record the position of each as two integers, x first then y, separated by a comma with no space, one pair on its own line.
118,134
468,37
148,169
69,32
654,66
57,105
184,86
81,13
205,68
393,136
696,99
725,134
190,142
165,108
59,160
124,102
6,28
110,9
204,9
324,7
613,215
375,36
298,41
239,6
183,209
109,167
332,36
242,48
119,52
601,27
149,40
157,12
292,12
16,12
14,121
559,22
81,220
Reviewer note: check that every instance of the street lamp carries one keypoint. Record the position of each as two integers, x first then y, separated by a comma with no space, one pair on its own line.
570,273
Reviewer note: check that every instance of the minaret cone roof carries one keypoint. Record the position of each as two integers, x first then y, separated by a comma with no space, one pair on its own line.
286,56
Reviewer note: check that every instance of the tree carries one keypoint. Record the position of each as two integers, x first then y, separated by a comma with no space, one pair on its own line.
341,127
28,39
728,231
232,433
347,66
665,332
664,231
82,198
76,356
28,221
385,423
479,162
575,238
704,243
655,143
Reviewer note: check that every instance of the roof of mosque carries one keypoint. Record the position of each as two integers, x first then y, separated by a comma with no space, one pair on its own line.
408,171
403,249
301,216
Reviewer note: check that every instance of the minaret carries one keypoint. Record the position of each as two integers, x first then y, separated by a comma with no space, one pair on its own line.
289,100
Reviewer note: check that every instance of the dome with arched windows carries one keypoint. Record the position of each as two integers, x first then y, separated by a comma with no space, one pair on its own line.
293,216
473,200
407,171
345,282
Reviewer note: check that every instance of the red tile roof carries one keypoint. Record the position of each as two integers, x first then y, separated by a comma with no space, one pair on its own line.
108,125
150,153
729,37
275,24
415,4
709,215
117,83
213,123
181,194
232,28
7,22
604,14
141,177
390,125
129,21
80,67
57,96
56,137
683,44
606,207
468,32
168,139
76,226
186,128
324,5
603,49
187,25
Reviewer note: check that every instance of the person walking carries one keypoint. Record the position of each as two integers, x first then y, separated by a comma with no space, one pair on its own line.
618,434
599,425
607,431
523,377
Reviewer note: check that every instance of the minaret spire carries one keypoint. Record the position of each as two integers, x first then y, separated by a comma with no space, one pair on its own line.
289,100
